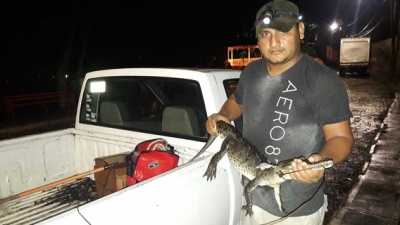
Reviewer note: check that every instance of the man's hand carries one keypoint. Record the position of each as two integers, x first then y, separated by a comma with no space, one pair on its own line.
302,173
212,122
230,110
339,142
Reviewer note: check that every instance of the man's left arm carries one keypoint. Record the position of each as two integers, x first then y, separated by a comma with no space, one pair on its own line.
339,143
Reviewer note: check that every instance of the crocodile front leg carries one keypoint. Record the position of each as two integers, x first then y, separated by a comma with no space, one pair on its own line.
264,177
277,191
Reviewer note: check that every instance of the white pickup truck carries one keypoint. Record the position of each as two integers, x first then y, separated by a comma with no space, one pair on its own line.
118,109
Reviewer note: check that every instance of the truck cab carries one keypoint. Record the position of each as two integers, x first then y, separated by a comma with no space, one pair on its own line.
354,55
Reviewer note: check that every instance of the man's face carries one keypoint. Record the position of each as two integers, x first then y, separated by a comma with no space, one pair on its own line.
280,47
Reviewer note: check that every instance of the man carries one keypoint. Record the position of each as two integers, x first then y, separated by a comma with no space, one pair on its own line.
291,106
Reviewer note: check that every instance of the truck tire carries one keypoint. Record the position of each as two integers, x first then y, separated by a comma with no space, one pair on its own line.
362,71
342,72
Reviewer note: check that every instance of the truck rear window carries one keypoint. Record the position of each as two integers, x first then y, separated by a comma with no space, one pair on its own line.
230,86
167,106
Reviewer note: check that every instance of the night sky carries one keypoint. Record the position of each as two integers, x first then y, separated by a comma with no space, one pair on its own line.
42,39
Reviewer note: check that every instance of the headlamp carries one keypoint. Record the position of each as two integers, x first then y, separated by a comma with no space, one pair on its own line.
269,15
267,20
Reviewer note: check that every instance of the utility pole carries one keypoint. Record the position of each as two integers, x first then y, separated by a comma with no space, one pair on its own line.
395,39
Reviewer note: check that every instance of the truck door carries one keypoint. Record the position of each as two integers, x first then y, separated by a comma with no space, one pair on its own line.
179,197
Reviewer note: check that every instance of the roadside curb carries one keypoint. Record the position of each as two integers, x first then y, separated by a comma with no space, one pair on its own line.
372,148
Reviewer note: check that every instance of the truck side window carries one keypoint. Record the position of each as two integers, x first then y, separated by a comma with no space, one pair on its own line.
165,106
230,87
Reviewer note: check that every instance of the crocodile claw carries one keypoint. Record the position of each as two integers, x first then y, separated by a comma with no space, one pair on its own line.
248,208
211,172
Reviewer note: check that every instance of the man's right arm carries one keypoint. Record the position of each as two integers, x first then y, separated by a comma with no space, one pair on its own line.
230,110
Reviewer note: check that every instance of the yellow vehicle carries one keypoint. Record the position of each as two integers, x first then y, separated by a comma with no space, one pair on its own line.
240,56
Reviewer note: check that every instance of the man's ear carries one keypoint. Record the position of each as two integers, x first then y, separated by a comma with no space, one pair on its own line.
301,30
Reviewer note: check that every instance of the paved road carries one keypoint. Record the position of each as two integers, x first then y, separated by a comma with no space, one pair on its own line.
375,199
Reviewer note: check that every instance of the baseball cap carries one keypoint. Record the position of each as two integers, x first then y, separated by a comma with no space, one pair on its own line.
281,15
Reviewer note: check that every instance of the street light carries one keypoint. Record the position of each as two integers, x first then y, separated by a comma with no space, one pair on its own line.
335,27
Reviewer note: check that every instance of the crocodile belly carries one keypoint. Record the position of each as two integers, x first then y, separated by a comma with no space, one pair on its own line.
245,163
269,177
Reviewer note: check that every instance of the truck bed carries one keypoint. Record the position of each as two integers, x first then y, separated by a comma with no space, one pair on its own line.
184,186
42,205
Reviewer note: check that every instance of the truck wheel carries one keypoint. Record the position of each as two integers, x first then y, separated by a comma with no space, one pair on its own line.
363,72
342,72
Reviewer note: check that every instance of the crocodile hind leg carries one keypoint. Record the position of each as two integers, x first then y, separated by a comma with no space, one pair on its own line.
250,187
211,171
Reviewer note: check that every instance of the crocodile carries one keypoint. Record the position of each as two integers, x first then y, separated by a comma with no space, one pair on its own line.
251,163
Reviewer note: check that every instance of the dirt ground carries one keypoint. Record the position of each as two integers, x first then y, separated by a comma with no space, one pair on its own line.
369,102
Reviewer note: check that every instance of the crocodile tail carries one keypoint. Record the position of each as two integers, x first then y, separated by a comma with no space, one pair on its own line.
210,140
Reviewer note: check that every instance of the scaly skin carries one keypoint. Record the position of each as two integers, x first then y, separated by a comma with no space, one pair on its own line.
241,153
246,159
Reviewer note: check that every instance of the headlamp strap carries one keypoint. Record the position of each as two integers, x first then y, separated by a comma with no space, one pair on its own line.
272,14
286,14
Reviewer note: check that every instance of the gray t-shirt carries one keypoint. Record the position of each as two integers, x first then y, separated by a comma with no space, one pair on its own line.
283,117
